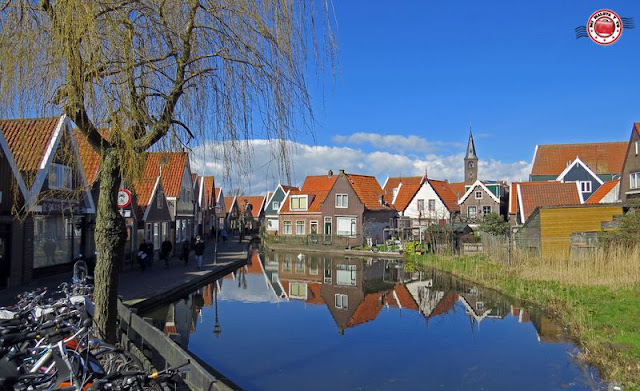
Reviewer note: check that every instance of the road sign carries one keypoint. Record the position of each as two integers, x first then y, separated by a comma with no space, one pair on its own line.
124,198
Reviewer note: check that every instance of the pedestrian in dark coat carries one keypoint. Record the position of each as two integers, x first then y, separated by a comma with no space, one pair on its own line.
199,250
165,250
186,248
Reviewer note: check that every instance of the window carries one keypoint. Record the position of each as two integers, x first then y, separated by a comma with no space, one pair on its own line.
60,177
346,226
313,228
299,203
637,144
478,195
298,290
420,205
156,236
634,180
159,199
472,211
432,205
286,263
149,232
346,275
342,200
299,227
275,205
273,224
486,209
342,301
585,186
286,228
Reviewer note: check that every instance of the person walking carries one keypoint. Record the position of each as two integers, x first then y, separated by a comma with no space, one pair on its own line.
165,250
199,250
142,255
149,250
224,235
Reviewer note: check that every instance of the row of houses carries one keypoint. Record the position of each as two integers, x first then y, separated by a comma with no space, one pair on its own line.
49,189
585,184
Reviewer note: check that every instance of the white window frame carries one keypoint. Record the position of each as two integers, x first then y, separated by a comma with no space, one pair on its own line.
287,224
342,201
341,301
275,205
60,177
637,144
299,197
273,224
348,271
432,205
421,205
483,208
475,211
300,286
585,186
300,223
311,223
634,180
478,192
353,226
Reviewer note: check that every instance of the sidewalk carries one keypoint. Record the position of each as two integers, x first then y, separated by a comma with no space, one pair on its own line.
136,286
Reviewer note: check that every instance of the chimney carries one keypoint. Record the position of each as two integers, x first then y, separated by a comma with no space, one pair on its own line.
425,174
330,173
341,172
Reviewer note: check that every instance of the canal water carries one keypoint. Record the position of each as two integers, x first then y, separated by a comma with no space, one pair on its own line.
290,321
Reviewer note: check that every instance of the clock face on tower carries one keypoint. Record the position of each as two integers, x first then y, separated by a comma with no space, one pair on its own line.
471,164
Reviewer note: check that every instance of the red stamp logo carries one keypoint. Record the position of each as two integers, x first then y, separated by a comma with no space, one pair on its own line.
604,27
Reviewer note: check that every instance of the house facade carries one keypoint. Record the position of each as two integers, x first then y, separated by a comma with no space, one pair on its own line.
220,209
302,211
272,207
481,199
232,213
630,178
43,179
151,212
252,210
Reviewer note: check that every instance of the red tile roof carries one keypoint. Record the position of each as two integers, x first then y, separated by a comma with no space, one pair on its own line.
143,190
368,191
317,187
445,305
446,194
602,192
89,157
367,310
458,188
255,266
513,194
255,202
228,201
313,296
602,158
540,194
28,140
217,194
194,178
406,192
173,166
405,298
208,192
287,188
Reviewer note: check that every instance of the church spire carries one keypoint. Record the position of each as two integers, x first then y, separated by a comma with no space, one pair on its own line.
471,148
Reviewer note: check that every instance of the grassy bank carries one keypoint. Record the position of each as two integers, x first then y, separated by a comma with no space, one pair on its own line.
597,299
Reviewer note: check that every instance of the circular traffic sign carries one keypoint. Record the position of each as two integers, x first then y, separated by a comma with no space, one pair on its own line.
124,198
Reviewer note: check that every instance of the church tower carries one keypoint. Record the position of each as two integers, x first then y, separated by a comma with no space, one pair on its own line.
470,162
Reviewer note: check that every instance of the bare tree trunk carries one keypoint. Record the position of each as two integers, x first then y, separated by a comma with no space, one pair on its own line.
110,238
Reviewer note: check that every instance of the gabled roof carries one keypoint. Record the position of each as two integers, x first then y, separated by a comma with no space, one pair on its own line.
602,158
217,196
256,203
145,189
458,188
368,191
407,189
228,203
194,178
29,139
578,162
367,310
471,189
445,192
208,185
513,194
173,166
317,187
603,191
532,196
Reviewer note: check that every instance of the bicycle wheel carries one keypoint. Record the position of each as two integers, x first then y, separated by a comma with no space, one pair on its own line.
114,360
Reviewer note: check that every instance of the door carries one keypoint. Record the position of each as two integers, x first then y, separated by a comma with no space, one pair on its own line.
327,226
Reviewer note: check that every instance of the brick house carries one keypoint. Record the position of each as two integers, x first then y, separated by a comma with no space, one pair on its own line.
630,178
482,198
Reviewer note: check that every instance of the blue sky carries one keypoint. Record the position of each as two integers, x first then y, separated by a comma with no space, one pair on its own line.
513,69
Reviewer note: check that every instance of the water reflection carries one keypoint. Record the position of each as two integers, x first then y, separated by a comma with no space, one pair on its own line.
280,308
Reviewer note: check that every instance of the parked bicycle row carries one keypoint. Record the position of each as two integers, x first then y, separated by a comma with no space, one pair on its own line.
47,342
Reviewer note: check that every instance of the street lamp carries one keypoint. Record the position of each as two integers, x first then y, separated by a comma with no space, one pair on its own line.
217,329
218,212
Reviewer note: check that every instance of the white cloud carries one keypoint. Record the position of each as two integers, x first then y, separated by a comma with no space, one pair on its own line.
392,142
258,166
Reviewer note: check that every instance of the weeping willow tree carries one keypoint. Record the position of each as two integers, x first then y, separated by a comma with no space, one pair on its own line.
161,74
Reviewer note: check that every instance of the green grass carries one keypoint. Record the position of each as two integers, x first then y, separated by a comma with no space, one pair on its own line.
604,320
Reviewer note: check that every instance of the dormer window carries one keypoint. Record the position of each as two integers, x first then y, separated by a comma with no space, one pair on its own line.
60,177
585,186
275,205
298,202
